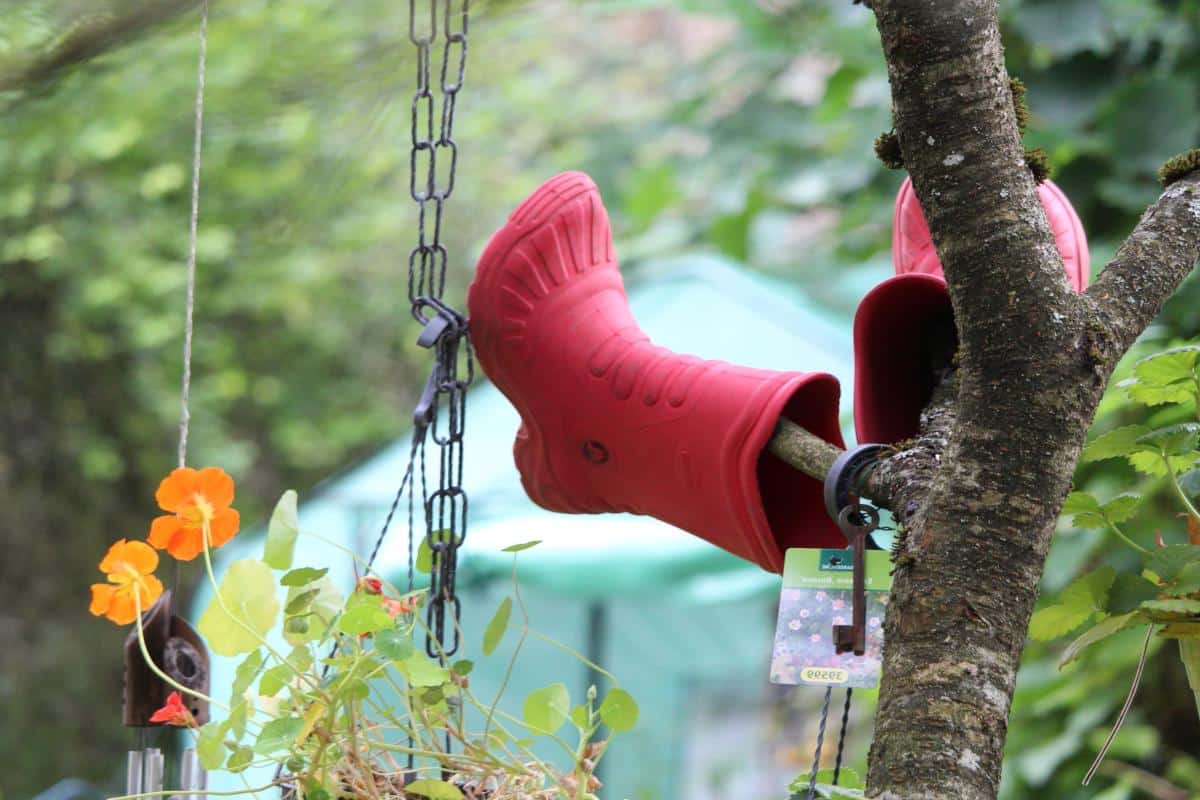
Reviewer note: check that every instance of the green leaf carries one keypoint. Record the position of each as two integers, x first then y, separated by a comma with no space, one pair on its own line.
1173,439
1168,562
1157,395
545,709
300,603
1186,582
848,780
1105,628
1077,603
210,745
516,548
394,645
303,576
1128,592
1121,508
1175,606
424,560
239,759
364,614
248,591
495,629
278,734
237,719
422,672
1117,442
1169,366
245,674
619,710
579,717
282,531
323,610
1180,630
434,790
275,679
462,667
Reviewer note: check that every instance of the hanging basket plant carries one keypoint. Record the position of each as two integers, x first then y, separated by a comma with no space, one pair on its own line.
335,687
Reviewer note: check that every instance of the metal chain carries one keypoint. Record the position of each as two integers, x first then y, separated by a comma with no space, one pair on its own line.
441,413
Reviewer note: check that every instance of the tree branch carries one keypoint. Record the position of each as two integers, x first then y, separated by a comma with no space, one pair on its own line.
97,35
1150,265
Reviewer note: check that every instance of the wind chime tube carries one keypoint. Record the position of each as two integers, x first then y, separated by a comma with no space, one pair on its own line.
152,772
133,773
192,777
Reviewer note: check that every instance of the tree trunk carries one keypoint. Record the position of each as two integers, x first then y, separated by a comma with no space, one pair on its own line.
1033,363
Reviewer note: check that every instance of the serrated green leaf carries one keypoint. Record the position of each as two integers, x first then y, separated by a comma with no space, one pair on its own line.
245,674
434,790
495,629
1169,366
1080,503
303,576
619,710
210,744
1121,508
1180,630
1150,395
1102,630
1173,606
1173,439
239,759
248,590
1117,442
1168,562
1186,582
546,709
1077,603
1128,592
282,531
322,610
278,734
394,645
516,548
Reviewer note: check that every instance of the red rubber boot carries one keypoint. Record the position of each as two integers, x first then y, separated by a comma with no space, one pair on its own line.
610,422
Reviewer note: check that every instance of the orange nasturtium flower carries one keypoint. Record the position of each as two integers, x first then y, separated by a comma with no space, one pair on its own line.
128,565
174,713
197,499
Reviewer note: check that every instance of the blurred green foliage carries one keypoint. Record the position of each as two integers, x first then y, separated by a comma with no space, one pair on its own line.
744,128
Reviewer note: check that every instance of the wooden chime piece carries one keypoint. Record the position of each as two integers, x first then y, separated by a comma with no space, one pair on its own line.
177,650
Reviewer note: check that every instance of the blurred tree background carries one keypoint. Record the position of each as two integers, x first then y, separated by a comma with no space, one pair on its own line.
727,125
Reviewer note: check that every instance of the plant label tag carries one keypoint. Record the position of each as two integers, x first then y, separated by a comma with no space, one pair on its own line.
818,594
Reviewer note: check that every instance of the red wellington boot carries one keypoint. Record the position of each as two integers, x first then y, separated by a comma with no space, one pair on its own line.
904,329
611,422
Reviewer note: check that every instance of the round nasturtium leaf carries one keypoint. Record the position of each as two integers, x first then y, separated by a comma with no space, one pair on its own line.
546,709
247,590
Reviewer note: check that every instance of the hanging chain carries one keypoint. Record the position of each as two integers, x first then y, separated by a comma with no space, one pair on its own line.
441,412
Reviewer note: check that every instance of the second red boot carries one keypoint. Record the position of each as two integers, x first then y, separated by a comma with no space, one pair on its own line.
611,422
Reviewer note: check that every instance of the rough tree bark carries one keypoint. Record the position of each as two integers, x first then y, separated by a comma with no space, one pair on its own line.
1034,360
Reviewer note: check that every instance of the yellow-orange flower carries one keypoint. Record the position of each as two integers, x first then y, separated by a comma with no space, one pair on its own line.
197,499
128,566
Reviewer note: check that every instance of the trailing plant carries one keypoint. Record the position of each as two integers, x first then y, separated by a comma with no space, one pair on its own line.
332,688
1163,594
